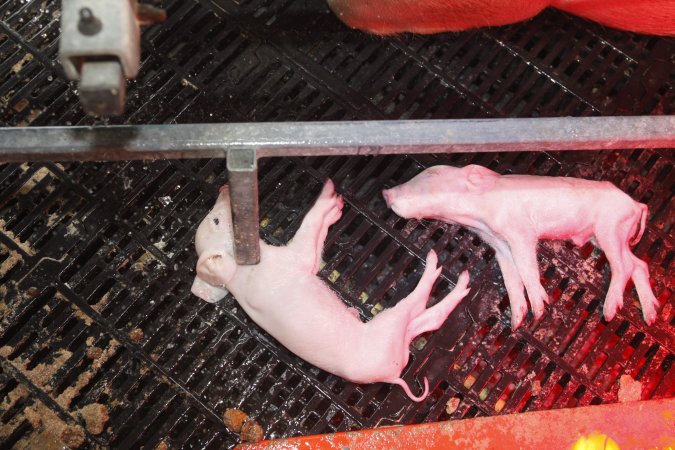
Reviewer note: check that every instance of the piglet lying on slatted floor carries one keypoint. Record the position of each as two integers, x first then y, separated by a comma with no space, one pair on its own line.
512,212
284,296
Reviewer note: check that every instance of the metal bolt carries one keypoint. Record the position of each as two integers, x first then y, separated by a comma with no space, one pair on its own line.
86,15
89,24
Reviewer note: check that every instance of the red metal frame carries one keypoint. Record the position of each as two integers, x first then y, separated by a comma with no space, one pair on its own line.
644,424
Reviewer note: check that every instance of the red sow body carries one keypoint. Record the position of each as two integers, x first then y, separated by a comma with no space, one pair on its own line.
435,16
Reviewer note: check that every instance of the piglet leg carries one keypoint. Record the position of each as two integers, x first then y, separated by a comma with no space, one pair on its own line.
312,233
609,239
417,300
514,287
423,319
395,321
524,254
432,318
512,280
391,327
624,265
613,238
647,298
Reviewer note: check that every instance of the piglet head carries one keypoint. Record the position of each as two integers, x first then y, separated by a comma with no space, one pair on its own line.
417,197
438,188
215,232
215,247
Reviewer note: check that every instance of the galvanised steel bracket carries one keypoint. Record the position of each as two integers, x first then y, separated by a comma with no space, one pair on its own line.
100,45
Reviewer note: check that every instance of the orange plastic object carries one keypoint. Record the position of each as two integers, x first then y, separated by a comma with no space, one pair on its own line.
645,424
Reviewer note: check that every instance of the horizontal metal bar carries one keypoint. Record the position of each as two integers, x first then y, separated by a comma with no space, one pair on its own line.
326,138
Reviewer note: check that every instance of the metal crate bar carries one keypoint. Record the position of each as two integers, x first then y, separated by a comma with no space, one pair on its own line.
325,138
331,138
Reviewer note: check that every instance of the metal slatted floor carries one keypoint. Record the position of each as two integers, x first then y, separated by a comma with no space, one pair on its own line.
97,259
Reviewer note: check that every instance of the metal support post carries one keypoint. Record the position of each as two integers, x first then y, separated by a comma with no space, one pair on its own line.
242,169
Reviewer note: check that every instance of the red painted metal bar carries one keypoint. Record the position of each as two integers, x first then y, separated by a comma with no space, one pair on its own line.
644,424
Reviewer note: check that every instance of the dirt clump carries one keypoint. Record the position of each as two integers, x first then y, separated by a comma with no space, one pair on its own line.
251,431
95,417
630,390
72,436
95,353
234,419
50,432
136,335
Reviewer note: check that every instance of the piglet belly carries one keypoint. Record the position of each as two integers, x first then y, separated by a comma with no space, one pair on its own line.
305,316
548,211
575,227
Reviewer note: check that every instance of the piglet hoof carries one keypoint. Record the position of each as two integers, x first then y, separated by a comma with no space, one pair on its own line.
328,188
463,281
329,204
649,309
518,313
432,259
432,267
538,312
538,299
336,211
460,291
611,307
455,296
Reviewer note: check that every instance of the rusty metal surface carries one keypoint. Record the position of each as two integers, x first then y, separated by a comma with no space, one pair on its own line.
242,170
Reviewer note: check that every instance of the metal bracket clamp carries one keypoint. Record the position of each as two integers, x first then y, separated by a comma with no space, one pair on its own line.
242,169
100,46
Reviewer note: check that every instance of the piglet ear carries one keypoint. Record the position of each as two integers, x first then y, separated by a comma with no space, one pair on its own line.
479,179
216,270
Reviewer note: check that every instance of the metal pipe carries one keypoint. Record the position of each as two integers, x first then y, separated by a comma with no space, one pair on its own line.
243,143
242,169
334,138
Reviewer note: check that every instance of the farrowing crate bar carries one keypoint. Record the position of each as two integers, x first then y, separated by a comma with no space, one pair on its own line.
243,144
